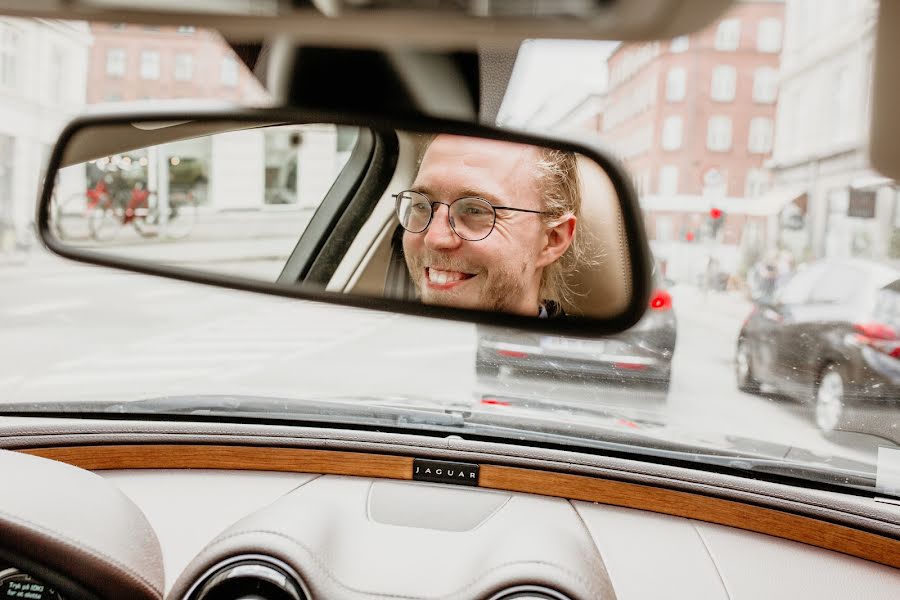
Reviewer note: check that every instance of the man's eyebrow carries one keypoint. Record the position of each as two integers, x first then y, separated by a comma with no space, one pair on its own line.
464,193
421,189
481,194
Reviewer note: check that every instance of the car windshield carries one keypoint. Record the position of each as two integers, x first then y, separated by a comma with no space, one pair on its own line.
773,328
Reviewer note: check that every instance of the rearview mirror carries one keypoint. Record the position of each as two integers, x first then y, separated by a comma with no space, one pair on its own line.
420,216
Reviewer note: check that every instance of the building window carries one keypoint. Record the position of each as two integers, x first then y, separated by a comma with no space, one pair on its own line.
679,44
186,29
715,183
668,180
728,35
724,82
843,117
760,138
229,72
9,56
765,85
57,73
184,66
718,134
150,64
671,134
676,84
768,36
756,184
115,62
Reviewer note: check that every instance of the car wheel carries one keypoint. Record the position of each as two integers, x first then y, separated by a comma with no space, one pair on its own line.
830,400
746,380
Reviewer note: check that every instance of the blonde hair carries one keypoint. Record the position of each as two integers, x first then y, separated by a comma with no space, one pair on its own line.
558,180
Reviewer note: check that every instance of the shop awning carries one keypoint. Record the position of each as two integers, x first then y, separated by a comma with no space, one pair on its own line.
770,203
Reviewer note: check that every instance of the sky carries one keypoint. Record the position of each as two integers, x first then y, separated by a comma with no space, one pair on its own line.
553,72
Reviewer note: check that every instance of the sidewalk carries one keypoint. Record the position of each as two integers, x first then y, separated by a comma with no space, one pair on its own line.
37,261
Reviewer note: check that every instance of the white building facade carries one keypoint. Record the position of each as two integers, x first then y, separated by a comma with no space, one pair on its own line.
822,133
43,70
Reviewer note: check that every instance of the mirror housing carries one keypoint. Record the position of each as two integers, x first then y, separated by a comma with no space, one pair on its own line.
94,137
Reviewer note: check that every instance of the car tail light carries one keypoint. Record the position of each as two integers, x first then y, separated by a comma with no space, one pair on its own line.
879,331
627,366
512,353
878,336
494,402
661,300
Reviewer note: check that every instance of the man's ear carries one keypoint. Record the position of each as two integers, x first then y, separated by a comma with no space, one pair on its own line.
557,240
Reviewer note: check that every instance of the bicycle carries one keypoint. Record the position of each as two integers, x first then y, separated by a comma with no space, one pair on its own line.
140,208
65,214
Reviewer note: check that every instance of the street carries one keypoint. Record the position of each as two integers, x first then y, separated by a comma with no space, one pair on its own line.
76,332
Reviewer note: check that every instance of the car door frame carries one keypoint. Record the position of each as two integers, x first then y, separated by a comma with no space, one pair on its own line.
345,207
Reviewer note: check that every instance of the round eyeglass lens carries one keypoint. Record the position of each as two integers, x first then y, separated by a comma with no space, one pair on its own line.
414,211
472,218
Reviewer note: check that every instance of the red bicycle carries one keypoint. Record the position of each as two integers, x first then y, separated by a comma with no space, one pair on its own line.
106,213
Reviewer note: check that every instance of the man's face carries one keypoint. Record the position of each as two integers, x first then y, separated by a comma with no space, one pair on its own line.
502,271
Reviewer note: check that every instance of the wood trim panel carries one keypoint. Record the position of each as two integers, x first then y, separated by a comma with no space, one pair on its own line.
807,530
239,458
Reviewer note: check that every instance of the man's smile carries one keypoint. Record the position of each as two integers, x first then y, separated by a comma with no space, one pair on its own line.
445,280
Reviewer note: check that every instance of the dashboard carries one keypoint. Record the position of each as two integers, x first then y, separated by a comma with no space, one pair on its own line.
206,521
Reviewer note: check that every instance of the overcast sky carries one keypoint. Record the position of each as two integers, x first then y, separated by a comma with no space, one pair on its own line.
555,72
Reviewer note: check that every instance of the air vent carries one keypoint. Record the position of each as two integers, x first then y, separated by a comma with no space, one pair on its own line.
529,592
246,577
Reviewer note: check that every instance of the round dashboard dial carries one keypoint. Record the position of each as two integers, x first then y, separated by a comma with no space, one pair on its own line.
16,584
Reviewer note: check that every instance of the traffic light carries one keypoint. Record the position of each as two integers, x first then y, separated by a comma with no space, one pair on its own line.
716,219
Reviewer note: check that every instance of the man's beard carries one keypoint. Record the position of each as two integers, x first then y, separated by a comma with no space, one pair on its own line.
499,288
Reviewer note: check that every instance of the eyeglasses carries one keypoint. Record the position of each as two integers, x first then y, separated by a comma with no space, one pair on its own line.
471,218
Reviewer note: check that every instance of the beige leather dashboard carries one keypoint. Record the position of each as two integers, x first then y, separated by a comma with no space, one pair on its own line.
354,537
166,504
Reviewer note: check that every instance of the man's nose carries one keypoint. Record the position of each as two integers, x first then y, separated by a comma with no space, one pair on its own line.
439,235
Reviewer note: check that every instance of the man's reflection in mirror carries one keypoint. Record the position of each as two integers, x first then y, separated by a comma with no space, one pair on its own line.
492,225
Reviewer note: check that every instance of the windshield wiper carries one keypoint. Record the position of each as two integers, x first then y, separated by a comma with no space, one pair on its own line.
344,411
849,473
598,431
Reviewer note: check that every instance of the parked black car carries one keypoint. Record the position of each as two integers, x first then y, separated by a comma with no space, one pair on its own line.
639,357
830,336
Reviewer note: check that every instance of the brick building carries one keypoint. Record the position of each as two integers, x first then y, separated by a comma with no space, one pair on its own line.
694,120
696,114
134,62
